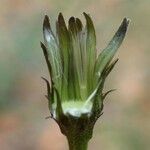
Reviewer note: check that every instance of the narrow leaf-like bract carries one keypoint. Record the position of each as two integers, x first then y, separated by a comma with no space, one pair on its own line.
107,54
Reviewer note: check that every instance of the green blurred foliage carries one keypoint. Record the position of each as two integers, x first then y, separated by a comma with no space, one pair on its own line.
125,123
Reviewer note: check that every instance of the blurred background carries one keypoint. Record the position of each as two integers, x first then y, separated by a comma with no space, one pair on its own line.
125,124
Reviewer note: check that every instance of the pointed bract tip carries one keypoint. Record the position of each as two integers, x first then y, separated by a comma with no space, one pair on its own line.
125,23
43,48
89,21
60,14
116,60
122,29
42,45
127,20
43,78
79,24
71,20
60,17
108,92
46,17
85,14
61,21
46,23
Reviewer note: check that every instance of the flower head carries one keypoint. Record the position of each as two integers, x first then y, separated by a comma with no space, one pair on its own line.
77,74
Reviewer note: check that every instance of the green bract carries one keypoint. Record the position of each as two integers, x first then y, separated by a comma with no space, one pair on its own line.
77,74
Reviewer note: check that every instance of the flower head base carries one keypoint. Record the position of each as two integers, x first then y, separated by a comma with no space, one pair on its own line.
77,74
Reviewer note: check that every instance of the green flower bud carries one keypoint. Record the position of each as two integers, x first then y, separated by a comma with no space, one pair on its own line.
75,92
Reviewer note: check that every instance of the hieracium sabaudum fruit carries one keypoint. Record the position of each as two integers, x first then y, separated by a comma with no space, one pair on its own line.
77,75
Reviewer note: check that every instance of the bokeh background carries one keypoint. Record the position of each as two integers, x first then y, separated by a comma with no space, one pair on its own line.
125,124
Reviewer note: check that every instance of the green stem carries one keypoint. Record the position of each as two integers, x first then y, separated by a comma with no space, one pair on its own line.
77,143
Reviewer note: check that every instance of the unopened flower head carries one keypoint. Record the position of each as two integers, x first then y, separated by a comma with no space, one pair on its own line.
77,73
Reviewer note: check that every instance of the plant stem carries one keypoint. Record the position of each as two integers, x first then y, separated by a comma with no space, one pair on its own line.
77,143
